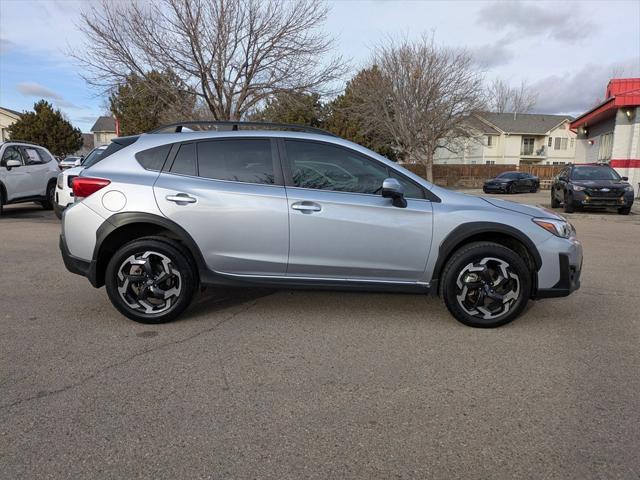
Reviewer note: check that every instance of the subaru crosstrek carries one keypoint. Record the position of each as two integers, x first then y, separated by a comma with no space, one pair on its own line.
163,213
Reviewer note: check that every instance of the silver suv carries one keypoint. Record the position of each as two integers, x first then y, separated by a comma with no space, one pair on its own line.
165,212
28,173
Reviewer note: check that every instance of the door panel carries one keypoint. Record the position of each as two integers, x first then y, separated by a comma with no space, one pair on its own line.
17,179
240,228
357,236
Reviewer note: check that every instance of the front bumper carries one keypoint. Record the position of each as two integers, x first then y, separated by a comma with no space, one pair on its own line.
569,279
495,187
583,199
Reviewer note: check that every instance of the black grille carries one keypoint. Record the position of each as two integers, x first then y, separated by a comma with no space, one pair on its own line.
596,192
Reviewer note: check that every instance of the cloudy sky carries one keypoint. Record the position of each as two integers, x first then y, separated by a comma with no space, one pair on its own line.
567,51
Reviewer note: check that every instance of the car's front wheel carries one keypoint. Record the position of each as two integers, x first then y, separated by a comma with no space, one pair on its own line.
555,203
624,210
485,285
568,203
150,280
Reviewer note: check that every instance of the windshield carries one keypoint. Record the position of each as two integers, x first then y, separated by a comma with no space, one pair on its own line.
508,175
93,157
594,173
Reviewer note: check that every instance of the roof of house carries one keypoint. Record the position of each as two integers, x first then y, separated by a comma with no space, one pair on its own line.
104,124
527,123
482,127
14,112
621,92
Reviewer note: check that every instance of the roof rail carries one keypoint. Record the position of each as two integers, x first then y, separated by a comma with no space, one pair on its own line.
15,140
235,126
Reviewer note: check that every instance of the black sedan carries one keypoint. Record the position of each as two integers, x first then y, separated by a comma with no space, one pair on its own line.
512,182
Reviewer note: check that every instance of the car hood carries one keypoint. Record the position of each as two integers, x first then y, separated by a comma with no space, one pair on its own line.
531,210
600,183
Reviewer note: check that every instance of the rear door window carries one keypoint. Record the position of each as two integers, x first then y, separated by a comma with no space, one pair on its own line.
185,161
31,156
245,160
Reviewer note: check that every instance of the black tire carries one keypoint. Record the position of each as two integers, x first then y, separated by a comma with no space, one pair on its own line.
568,203
476,252
57,210
555,203
511,189
624,210
185,282
534,189
485,190
47,202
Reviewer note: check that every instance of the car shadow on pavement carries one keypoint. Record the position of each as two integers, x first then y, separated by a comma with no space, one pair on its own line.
211,300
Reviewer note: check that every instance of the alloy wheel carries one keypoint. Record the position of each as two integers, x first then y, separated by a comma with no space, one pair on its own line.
149,282
487,289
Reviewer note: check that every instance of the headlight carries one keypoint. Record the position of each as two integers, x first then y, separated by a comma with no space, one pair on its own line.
560,228
628,188
578,188
60,180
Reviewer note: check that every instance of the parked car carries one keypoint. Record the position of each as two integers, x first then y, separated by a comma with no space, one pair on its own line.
162,213
27,174
64,192
70,162
512,182
591,186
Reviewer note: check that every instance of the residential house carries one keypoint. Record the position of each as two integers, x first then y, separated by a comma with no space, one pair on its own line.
104,130
610,132
510,138
7,118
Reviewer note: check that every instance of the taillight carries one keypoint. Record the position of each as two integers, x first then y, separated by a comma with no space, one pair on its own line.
85,186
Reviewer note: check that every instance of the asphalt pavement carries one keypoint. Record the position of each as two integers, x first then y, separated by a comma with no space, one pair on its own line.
265,384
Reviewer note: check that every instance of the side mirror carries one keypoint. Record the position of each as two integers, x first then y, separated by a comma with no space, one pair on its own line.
392,188
626,179
78,162
13,164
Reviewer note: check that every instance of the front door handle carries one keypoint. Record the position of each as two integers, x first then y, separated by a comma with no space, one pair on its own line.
181,198
306,207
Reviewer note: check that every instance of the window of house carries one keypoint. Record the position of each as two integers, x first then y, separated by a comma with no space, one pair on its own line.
490,162
556,145
606,146
527,146
572,143
245,160
489,140
550,142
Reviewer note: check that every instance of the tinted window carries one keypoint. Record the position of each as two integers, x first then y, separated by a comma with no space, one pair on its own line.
508,175
327,167
594,173
242,160
153,158
11,153
185,161
44,156
93,157
411,190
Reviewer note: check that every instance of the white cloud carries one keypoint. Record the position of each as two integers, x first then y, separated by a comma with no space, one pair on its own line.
33,89
526,19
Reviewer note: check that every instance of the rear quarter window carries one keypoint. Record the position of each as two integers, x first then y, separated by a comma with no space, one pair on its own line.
153,158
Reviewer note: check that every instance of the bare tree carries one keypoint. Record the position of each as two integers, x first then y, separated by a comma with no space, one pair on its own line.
233,54
502,97
421,98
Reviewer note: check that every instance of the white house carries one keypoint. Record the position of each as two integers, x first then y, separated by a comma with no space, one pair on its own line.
509,138
7,118
104,130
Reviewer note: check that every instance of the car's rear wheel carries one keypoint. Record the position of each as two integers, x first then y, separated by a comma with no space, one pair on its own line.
150,280
47,203
485,285
568,203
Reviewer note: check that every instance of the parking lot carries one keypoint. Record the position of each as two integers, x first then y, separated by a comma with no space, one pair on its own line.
298,384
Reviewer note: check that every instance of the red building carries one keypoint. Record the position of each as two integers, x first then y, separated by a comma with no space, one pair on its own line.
610,132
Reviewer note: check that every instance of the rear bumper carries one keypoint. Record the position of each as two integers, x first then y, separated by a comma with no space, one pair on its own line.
569,279
77,265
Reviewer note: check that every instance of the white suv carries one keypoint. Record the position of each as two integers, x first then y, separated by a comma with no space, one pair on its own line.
27,174
64,192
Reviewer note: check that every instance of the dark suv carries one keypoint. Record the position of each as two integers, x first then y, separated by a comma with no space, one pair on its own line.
591,185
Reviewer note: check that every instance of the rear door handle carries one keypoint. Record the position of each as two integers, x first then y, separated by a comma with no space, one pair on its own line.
181,198
306,207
